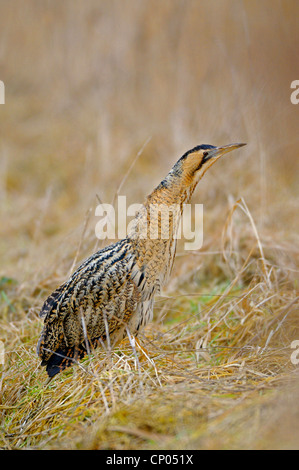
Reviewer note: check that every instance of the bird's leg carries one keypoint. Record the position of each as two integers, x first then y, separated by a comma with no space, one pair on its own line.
142,348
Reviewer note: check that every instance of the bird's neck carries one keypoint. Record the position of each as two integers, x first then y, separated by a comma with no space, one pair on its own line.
174,189
175,194
154,231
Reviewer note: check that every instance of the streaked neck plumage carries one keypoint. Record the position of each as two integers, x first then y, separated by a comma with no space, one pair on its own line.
153,234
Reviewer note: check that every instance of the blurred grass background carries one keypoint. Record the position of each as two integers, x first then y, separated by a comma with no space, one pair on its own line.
86,85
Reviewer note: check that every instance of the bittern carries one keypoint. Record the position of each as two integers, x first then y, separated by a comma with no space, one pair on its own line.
112,293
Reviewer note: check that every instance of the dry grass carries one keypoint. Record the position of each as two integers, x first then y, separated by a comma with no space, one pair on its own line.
86,88
210,375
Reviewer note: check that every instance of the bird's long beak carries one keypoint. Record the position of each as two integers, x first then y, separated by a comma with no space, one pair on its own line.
219,151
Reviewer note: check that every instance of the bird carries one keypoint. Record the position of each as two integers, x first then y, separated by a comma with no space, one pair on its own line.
111,294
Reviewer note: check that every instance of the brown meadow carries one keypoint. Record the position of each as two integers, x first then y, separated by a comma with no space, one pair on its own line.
101,99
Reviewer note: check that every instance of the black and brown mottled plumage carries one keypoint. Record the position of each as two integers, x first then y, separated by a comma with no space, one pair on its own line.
113,290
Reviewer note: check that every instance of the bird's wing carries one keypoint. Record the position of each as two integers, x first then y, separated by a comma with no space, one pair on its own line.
94,303
52,301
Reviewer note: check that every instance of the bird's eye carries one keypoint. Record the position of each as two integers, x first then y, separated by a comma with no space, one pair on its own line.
205,157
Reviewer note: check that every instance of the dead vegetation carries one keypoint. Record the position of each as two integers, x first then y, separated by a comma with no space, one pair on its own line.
211,371
214,369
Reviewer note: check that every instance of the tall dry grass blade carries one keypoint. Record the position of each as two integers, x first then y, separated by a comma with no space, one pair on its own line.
245,209
86,221
123,180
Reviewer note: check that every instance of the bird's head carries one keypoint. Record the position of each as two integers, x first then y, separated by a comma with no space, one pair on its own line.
189,169
194,163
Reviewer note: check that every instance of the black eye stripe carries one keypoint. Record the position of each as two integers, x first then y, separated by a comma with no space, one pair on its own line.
196,149
204,158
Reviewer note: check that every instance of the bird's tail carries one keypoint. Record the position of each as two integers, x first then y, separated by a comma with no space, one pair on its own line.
63,358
